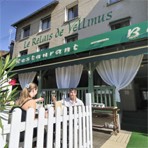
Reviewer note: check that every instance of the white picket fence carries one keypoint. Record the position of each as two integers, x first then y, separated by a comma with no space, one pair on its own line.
66,128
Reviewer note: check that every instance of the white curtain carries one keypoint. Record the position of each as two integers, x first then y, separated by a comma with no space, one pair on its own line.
26,78
119,72
68,77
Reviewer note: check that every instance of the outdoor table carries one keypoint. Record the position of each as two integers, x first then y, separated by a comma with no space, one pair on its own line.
105,110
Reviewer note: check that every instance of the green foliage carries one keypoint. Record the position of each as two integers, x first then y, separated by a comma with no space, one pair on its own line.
6,66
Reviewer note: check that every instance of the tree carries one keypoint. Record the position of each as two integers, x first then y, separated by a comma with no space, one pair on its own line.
6,96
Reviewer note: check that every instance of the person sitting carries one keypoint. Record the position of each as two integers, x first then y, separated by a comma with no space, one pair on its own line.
26,101
72,100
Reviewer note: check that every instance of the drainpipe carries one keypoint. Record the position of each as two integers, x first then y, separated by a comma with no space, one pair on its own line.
11,47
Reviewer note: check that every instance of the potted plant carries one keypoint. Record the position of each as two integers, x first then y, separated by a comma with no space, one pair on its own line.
7,94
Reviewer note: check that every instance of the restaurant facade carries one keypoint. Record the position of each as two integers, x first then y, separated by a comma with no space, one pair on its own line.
96,46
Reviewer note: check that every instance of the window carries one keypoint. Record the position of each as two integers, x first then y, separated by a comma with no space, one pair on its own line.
25,32
71,38
113,1
45,24
24,52
71,12
120,23
43,47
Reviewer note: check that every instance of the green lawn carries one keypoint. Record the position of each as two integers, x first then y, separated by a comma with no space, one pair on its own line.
138,140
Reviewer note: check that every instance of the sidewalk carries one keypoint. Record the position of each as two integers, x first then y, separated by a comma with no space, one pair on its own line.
99,138
118,141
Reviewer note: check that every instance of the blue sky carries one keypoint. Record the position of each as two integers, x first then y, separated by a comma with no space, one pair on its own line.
12,11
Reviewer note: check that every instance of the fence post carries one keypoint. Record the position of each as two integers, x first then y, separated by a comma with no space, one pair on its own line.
2,139
15,132
4,121
88,99
88,103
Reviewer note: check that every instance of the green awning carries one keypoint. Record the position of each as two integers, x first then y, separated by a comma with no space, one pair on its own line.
123,35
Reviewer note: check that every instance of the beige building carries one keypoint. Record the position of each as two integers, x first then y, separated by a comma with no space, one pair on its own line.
62,21
88,33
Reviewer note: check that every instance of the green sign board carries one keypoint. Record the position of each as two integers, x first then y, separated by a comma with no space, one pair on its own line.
126,34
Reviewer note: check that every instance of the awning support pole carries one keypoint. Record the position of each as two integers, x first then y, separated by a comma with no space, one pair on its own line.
39,83
90,81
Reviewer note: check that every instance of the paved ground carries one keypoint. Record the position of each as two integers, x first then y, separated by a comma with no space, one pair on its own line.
118,141
102,139
99,138
106,138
